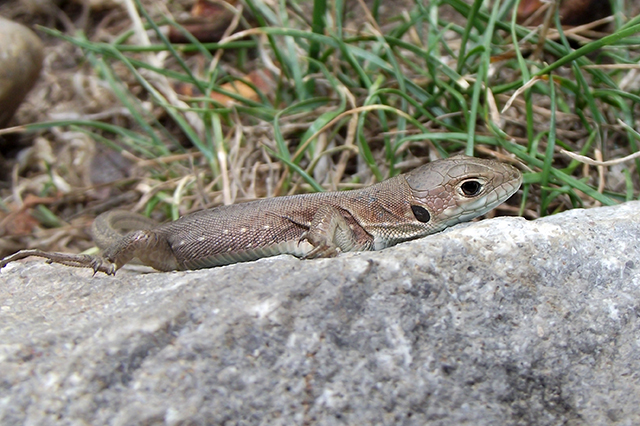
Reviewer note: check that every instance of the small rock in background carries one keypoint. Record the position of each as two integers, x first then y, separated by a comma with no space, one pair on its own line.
572,12
21,55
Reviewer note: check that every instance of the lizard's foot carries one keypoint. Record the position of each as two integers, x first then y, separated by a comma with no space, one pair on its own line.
97,263
333,231
322,246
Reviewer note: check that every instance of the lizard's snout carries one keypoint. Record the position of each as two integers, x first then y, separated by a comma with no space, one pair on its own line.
513,178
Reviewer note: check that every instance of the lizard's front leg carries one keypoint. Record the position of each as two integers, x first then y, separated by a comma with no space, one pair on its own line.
333,231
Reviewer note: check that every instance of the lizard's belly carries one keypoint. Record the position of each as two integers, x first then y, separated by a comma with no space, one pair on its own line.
298,249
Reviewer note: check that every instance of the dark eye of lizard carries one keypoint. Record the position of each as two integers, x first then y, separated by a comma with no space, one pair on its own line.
421,214
471,188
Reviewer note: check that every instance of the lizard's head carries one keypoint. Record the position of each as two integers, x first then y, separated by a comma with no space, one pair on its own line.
460,188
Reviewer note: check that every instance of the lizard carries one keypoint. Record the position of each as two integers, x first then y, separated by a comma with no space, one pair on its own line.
418,203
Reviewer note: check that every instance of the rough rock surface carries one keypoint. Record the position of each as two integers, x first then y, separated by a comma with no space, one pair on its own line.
500,322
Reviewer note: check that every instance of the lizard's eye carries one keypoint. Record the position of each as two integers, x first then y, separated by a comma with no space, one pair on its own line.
471,188
421,214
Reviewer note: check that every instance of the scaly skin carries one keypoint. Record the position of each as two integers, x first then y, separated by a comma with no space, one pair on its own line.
421,202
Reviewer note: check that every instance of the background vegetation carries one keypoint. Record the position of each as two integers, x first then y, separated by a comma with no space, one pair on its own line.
316,95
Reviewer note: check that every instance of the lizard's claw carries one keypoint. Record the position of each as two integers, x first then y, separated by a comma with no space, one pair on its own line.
303,237
101,265
322,250
322,245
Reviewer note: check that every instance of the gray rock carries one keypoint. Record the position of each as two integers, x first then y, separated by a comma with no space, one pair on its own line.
501,322
21,56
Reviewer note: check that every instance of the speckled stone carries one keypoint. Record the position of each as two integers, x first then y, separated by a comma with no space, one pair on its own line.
501,322
21,55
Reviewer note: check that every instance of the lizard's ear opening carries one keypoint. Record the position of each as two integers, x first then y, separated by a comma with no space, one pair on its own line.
421,214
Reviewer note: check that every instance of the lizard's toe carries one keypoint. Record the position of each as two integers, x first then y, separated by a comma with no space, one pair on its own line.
322,250
102,265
